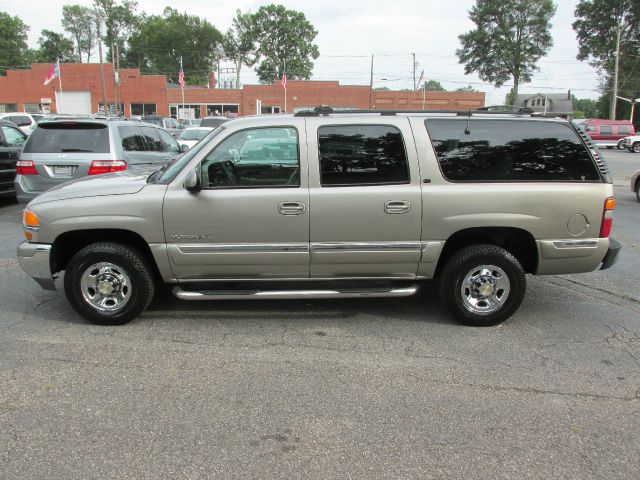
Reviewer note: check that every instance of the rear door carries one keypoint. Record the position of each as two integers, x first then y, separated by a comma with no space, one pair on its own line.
365,201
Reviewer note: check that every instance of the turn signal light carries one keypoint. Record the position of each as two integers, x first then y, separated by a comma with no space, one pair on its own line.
98,167
607,217
31,224
25,167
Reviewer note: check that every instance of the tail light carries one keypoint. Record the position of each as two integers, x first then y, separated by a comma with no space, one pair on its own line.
607,217
98,167
25,167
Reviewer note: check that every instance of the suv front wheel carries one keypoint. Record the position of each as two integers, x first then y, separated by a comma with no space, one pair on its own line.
635,147
108,283
482,285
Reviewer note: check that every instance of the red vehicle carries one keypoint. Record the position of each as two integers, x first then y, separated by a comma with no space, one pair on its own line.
608,133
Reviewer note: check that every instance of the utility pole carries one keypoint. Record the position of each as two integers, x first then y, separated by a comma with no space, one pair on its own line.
371,85
614,99
104,87
414,71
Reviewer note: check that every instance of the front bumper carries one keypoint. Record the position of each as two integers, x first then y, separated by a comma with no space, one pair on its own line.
34,260
612,254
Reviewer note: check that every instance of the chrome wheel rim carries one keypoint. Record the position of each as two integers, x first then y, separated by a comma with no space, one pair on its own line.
106,287
485,289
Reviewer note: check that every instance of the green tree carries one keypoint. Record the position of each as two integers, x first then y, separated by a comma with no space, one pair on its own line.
284,37
54,46
120,19
434,86
509,39
79,22
239,44
13,42
596,27
584,107
161,40
468,89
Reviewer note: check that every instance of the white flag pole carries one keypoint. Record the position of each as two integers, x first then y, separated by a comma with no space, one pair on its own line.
60,80
182,85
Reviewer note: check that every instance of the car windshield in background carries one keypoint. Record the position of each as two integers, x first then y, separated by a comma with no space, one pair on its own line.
66,137
155,121
212,122
194,134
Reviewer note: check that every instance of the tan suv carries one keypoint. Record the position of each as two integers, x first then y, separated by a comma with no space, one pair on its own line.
326,204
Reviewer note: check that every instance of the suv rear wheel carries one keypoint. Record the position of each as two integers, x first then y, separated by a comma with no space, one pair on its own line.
635,147
482,285
108,283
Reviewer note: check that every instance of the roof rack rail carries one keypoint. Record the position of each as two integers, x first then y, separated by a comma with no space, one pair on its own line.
326,110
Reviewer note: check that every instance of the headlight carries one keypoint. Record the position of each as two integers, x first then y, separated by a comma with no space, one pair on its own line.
30,223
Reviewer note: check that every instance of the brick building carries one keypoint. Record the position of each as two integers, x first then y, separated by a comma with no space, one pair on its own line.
137,94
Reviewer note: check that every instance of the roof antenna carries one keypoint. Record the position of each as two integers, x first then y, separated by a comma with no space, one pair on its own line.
467,130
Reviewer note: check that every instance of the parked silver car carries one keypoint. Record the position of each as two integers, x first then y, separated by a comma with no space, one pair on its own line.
62,150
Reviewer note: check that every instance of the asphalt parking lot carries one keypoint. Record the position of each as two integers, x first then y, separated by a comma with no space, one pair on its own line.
328,389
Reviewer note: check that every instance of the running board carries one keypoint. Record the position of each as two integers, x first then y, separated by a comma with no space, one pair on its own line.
292,294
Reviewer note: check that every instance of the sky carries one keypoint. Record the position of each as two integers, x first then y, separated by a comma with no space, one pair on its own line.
350,32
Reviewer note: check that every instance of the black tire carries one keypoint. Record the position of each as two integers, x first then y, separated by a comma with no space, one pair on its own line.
638,190
112,266
635,147
620,145
508,277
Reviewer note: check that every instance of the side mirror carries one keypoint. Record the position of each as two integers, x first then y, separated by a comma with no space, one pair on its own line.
183,147
192,182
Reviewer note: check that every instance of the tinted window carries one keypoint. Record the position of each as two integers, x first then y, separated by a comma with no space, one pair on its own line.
52,137
153,140
606,130
190,135
243,160
154,120
362,155
503,150
623,130
13,136
132,139
170,143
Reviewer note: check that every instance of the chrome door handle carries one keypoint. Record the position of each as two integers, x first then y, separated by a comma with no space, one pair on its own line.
291,208
394,207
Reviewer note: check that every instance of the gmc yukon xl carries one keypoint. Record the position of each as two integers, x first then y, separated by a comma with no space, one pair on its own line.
325,204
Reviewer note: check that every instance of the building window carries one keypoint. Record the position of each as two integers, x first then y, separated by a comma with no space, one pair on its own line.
265,110
143,109
8,107
221,109
113,110
190,111
32,107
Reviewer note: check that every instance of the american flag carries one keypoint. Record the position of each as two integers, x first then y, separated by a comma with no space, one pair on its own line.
181,77
283,80
420,79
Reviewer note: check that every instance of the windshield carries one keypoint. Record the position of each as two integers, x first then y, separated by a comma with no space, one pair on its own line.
156,120
190,135
176,167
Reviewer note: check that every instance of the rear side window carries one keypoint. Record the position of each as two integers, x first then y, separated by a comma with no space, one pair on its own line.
54,137
509,151
623,130
362,155
132,139
153,140
212,122
606,130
